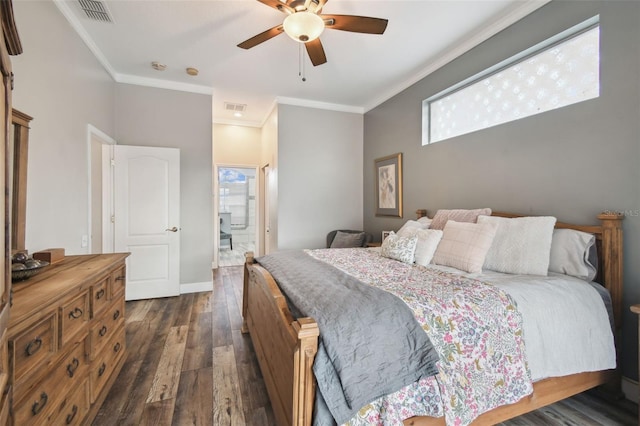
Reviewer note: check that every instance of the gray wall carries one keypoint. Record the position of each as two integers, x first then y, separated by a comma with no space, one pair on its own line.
319,174
572,163
59,82
148,116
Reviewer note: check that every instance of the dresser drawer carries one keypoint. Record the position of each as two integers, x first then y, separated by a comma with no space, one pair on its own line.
106,326
106,361
33,347
118,282
74,316
72,409
42,401
100,297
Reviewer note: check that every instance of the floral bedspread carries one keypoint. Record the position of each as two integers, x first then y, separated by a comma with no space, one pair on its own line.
475,328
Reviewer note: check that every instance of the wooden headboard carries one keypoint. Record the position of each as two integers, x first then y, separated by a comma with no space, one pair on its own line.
610,253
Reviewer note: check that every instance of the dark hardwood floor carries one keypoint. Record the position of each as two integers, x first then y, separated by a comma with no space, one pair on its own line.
188,364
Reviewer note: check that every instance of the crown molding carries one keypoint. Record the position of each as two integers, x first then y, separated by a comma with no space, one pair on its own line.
319,105
163,84
507,19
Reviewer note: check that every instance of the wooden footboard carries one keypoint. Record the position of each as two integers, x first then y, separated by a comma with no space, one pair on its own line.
285,346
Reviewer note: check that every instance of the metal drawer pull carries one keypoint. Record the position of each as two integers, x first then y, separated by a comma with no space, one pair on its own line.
73,366
74,411
120,278
33,346
39,405
100,293
103,331
116,347
116,314
76,313
101,370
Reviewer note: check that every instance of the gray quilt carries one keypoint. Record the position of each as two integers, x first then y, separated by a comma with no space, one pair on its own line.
370,343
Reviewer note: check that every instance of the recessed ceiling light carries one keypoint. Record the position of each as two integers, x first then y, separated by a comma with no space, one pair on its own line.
237,114
158,66
192,71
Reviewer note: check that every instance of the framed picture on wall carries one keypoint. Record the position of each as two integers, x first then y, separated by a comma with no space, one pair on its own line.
388,172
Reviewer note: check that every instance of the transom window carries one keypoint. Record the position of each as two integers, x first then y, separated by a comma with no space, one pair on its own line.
560,71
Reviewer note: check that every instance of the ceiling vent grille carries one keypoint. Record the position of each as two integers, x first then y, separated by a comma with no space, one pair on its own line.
95,10
235,107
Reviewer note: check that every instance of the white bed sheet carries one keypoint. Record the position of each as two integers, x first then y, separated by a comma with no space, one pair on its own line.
565,321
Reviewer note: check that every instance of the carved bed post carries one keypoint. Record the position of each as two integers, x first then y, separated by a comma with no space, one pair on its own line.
613,279
612,262
305,383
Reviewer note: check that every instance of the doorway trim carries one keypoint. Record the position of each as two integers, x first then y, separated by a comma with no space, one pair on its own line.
216,208
106,141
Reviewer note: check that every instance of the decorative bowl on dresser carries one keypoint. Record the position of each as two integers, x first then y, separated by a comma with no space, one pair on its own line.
67,339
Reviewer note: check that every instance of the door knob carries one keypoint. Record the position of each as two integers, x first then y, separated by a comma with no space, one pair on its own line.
174,229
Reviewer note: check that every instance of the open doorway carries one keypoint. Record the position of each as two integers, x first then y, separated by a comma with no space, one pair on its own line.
237,214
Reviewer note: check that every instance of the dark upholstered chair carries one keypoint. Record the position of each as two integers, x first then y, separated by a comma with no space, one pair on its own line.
364,241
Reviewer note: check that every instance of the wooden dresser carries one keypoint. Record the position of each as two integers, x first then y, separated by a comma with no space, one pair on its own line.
67,339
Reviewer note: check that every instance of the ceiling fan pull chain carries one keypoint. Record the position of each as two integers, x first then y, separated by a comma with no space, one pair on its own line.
301,72
301,63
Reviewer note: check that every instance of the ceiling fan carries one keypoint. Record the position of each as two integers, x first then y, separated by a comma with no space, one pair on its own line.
304,24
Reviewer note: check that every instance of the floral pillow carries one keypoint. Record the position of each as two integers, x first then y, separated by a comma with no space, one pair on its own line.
399,248
428,240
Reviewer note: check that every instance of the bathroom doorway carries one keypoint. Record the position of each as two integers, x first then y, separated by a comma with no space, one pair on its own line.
237,214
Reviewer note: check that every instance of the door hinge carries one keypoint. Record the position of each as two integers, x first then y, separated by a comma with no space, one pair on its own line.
113,218
113,162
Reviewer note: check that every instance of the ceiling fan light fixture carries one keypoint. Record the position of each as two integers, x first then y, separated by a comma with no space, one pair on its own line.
303,26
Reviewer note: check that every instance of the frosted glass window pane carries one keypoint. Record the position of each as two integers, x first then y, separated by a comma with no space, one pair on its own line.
564,74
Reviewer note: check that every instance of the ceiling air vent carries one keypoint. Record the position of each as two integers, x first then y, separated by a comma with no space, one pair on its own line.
95,10
235,107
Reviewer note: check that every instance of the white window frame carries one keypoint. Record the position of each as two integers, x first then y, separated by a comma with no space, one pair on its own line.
551,42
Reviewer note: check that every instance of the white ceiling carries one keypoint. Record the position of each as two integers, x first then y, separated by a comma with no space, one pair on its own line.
361,72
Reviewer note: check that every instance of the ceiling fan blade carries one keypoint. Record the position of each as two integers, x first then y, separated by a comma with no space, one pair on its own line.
262,37
277,4
316,52
356,24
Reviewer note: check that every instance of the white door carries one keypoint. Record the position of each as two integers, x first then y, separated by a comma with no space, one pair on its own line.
266,207
147,218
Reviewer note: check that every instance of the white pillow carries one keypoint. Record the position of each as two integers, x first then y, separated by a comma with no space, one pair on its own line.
399,248
522,245
428,240
409,227
570,253
427,244
464,245
425,221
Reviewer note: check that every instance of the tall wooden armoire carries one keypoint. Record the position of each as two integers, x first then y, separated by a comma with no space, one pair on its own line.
9,45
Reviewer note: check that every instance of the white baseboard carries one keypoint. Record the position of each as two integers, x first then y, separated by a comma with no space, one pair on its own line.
196,287
630,389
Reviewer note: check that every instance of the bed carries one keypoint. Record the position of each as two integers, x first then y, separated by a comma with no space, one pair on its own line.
286,346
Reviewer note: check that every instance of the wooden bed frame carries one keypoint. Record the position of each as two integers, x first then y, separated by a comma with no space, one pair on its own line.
286,346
